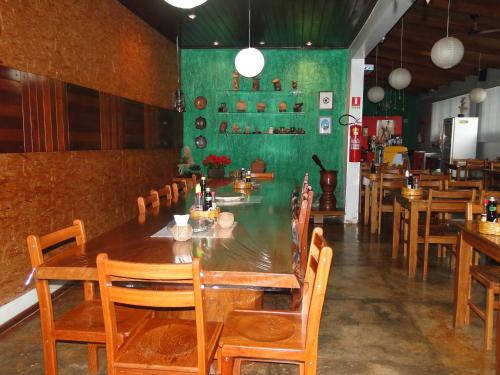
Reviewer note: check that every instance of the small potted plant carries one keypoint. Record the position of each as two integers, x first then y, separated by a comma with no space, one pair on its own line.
216,165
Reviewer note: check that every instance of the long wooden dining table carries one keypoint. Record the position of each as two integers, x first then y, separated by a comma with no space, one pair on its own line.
259,253
470,238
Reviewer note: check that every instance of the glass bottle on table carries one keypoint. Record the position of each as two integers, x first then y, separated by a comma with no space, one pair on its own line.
208,200
491,215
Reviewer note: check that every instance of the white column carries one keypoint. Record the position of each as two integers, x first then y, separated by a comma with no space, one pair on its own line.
352,171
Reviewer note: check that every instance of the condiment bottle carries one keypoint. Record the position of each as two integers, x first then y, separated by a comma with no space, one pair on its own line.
407,178
242,174
248,178
485,210
373,169
208,200
491,215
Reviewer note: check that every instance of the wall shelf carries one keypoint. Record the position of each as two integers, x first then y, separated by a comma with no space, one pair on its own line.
277,134
264,113
267,92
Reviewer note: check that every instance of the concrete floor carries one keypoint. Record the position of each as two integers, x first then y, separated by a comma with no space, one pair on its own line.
375,320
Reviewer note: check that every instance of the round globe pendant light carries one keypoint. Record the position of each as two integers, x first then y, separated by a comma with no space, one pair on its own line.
400,78
478,95
448,51
185,4
376,93
249,62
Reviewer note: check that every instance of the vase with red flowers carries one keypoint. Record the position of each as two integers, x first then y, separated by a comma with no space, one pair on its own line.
216,165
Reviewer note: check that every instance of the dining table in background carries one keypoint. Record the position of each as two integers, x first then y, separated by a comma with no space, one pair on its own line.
489,245
259,255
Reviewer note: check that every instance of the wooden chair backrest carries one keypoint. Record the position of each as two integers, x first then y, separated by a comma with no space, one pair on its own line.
473,209
390,182
420,171
433,184
263,175
315,283
450,184
178,188
305,183
475,164
439,177
143,203
37,244
182,298
164,192
303,227
494,165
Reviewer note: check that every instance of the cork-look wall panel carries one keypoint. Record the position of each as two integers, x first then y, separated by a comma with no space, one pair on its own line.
42,192
93,43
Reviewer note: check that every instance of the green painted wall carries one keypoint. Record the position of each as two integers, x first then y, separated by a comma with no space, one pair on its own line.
396,104
208,73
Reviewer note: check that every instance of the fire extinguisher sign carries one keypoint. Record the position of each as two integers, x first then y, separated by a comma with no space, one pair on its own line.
356,101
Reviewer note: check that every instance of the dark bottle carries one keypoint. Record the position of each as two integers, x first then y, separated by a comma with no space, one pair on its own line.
208,200
203,187
410,182
491,215
242,174
373,169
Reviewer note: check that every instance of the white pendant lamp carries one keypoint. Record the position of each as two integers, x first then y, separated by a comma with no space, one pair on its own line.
376,93
249,62
448,51
478,95
400,78
185,4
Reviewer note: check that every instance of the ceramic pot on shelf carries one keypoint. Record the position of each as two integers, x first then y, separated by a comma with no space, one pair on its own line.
216,172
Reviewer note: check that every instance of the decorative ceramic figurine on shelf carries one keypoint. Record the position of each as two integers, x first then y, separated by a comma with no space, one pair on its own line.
223,127
236,128
282,107
241,106
222,108
236,80
277,84
247,130
298,107
260,106
295,85
256,84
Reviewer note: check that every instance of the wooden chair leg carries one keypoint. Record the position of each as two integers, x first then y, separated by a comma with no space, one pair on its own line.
439,251
488,318
301,369
426,261
227,365
310,366
477,257
218,355
92,358
405,232
49,356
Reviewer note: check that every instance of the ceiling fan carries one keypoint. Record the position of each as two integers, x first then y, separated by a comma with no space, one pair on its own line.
474,29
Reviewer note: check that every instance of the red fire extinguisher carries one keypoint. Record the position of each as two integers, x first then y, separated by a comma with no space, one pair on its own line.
355,143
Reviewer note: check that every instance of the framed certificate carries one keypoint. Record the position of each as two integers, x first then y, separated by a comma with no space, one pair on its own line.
326,100
325,125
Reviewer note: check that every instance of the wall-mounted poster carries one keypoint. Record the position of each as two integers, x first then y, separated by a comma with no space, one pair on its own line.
385,129
326,100
325,125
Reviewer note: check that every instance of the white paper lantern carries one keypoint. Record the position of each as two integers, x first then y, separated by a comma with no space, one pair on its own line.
185,4
400,78
375,94
478,95
447,52
249,62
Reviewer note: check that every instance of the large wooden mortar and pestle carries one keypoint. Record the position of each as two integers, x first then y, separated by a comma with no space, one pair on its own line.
328,182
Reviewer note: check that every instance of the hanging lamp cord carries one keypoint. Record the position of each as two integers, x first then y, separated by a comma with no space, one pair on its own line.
448,20
376,63
249,4
178,67
402,30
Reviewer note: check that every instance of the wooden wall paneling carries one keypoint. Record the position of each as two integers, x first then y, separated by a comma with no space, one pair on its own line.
132,116
84,118
171,128
61,115
11,111
151,126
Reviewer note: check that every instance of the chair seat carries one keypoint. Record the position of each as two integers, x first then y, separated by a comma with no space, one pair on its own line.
487,275
264,334
85,322
167,345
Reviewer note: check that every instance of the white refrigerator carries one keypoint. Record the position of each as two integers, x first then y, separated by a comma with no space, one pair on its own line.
458,138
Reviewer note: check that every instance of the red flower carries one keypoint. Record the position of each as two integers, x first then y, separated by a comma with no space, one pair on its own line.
216,161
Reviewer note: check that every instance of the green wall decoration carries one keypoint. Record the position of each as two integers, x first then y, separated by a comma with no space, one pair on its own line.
209,73
396,103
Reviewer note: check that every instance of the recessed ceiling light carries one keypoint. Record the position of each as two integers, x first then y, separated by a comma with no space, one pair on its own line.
262,42
309,44
192,16
216,43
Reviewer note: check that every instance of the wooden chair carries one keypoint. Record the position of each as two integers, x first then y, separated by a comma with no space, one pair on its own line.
82,323
160,345
491,175
430,177
263,175
387,183
281,336
486,194
438,231
143,203
164,192
470,184
489,277
432,184
177,189
185,182
474,165
420,172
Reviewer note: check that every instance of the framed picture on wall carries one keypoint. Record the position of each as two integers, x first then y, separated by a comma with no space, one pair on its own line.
326,100
325,125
